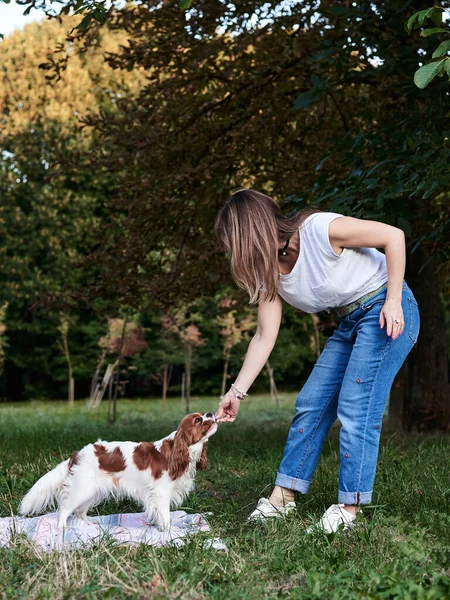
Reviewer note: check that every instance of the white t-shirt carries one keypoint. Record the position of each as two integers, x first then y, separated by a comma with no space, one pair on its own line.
322,279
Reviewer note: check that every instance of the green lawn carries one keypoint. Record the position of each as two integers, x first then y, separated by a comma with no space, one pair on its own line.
400,549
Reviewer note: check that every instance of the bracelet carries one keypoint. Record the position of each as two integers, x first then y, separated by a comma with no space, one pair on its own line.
237,392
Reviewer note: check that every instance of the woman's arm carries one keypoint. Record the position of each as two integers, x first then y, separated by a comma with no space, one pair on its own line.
259,349
347,232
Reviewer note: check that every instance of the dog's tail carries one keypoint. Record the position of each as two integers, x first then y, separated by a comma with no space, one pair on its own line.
44,491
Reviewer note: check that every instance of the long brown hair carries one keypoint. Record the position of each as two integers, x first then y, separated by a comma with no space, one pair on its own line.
250,226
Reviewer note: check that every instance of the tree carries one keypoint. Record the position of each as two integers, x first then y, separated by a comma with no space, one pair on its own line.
192,339
47,224
3,340
50,209
29,96
306,103
440,63
85,13
393,168
363,140
180,322
124,339
63,329
168,340
233,330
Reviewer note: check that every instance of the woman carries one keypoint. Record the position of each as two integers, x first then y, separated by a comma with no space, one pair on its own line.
323,261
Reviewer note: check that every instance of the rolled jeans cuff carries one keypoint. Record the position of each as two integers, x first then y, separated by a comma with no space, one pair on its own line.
291,483
355,497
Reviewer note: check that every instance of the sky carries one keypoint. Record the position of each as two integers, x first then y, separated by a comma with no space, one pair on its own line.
11,17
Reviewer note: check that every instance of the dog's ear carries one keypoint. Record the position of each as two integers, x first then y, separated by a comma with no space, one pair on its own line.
202,463
179,457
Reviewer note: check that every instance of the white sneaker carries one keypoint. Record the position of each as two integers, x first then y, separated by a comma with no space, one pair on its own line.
265,510
332,519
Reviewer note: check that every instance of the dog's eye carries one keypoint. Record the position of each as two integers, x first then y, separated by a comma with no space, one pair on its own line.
197,420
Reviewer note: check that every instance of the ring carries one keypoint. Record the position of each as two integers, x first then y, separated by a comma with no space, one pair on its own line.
396,321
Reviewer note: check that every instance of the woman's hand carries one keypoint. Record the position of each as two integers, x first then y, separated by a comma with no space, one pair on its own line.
391,315
228,408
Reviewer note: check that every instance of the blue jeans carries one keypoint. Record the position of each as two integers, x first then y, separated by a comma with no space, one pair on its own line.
350,381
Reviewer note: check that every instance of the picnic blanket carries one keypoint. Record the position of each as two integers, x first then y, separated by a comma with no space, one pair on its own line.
124,529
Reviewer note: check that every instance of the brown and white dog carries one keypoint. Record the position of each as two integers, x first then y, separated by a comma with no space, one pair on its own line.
159,475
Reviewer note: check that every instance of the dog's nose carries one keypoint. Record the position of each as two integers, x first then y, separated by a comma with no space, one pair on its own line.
208,415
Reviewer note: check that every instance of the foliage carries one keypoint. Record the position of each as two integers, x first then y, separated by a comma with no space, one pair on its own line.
63,329
3,338
233,330
30,99
237,128
391,165
93,10
440,63
133,342
307,103
392,168
400,550
50,209
180,322
47,223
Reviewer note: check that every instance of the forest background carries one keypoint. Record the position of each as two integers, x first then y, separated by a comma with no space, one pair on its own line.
121,139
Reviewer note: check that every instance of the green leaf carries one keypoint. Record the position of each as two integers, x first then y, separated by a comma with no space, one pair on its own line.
322,162
433,187
323,54
1,36
85,22
447,66
6,1
304,100
436,15
428,32
99,15
428,13
442,49
185,4
421,16
377,166
409,26
411,144
428,72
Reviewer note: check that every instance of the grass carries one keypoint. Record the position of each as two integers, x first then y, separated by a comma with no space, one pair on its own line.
400,550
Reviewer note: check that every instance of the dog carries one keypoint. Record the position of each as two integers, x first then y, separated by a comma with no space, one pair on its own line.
159,475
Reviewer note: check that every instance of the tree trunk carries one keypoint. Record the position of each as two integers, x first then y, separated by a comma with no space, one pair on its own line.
98,396
70,383
164,386
116,389
273,386
71,390
183,379
226,361
71,386
169,376
110,394
188,363
96,376
119,358
427,394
